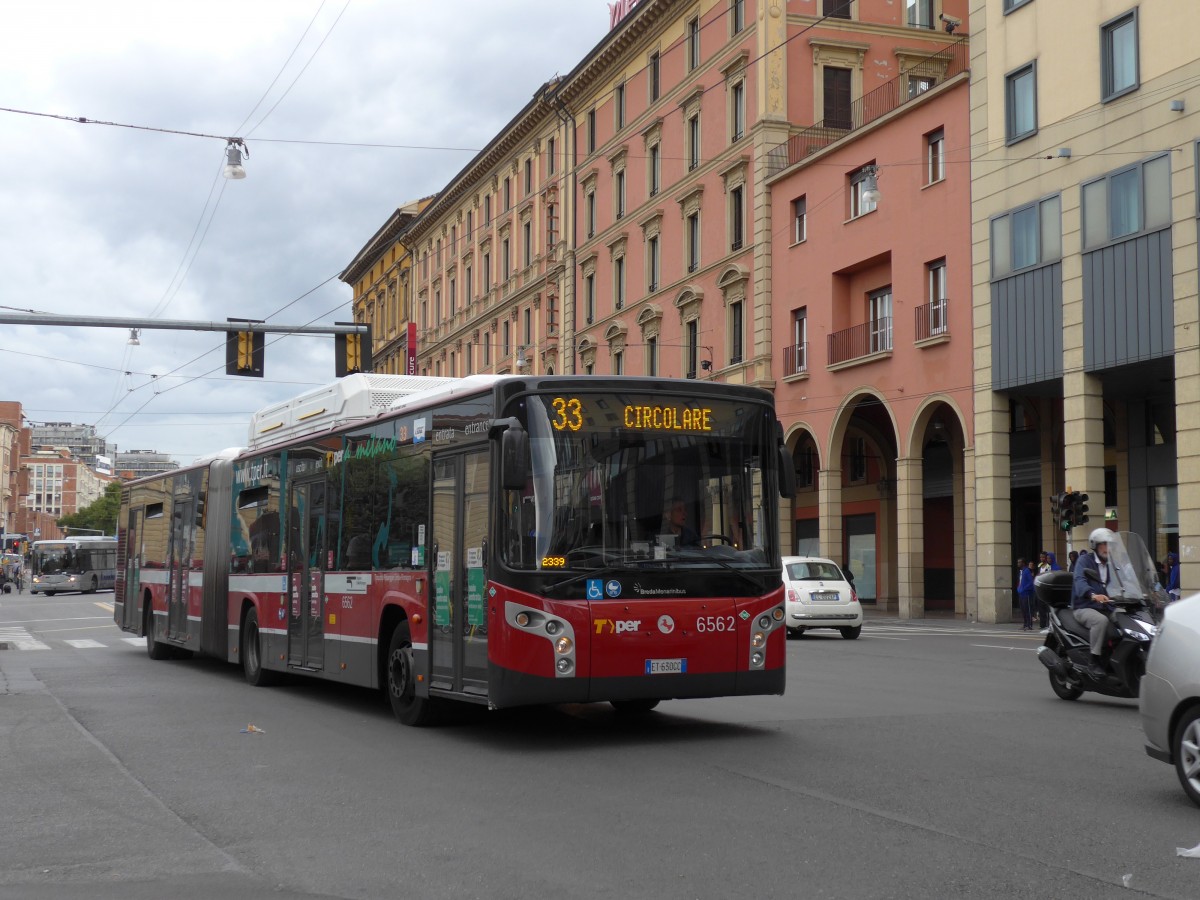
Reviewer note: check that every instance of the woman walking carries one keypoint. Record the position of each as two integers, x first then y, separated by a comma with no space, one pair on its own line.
1025,593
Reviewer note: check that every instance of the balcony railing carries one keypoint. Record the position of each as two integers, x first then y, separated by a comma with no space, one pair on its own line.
861,340
795,359
931,320
951,60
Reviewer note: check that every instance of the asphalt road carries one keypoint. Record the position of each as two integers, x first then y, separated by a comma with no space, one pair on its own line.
928,761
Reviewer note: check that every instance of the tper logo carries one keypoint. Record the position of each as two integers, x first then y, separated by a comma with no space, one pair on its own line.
666,624
617,626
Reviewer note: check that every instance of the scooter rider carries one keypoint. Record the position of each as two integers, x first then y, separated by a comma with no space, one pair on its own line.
1089,597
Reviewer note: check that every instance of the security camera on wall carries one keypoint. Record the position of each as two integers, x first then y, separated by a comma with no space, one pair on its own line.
949,22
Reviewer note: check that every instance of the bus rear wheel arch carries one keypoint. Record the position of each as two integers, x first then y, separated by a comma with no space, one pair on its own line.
154,649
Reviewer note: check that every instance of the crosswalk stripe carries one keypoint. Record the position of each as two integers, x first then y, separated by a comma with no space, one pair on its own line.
21,639
136,642
105,606
84,643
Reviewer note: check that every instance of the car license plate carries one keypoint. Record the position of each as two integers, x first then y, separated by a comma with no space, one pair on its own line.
666,667
824,596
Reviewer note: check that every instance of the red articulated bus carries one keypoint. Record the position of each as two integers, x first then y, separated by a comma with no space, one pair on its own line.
491,539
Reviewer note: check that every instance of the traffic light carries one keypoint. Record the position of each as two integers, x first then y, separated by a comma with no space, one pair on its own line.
1058,511
1079,510
352,352
244,351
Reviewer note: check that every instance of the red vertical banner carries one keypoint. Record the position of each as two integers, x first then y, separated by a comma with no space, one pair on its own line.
411,350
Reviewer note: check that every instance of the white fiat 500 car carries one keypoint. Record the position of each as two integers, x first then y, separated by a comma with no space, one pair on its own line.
1170,694
819,596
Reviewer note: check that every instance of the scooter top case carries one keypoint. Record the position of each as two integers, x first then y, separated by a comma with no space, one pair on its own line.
1054,588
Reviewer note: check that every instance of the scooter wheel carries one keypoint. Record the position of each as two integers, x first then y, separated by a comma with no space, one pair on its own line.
1064,687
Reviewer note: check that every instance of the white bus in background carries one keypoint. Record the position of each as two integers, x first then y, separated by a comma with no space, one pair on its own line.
86,564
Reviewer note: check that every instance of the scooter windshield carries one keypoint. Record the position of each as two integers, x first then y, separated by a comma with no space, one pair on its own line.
1134,575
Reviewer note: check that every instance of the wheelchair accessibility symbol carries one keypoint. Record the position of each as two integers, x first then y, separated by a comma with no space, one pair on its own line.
595,589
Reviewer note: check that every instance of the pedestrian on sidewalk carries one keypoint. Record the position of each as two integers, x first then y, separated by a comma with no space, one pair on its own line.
1173,575
1043,611
1072,558
1025,592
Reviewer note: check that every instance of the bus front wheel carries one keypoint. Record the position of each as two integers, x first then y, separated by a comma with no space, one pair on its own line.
407,707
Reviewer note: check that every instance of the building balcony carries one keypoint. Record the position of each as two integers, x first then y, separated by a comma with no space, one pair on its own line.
931,322
795,360
861,343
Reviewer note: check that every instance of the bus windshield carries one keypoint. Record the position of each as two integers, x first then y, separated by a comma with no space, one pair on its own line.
55,559
629,478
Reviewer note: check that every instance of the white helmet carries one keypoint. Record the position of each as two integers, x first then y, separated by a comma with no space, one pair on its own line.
1099,536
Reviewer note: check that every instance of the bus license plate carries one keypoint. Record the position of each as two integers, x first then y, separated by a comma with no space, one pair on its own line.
666,667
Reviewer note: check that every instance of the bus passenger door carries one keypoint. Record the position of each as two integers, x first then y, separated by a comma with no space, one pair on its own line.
133,570
181,562
306,574
458,639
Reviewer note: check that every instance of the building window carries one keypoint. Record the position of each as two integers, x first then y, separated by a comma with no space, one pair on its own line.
591,131
619,282
453,368
935,156
528,330
424,314
691,347
693,131
652,263
858,459
619,105
438,255
527,244
1126,202
589,369
619,190
737,111
652,356
655,169
506,259
551,226
469,282
936,322
618,362
654,76
452,296
693,43
737,219
735,332
1010,5
837,98
437,307
880,303
589,297
800,219
487,351
1119,56
861,202
1020,103
506,330
528,177
920,14
469,360
507,193
551,162
590,213
919,84
836,9
1029,236
487,272
799,349
693,242
487,209
737,16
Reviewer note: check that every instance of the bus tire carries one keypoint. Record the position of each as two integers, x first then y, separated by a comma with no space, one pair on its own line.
252,653
50,593
401,687
633,707
154,649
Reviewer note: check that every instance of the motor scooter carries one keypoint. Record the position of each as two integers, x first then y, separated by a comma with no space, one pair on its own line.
1136,608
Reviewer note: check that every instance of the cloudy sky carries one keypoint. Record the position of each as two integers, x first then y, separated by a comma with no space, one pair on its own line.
98,220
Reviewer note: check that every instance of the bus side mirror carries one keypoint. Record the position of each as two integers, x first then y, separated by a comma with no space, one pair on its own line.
514,456
787,474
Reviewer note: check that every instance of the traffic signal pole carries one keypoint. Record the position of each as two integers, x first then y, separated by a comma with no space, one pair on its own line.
246,336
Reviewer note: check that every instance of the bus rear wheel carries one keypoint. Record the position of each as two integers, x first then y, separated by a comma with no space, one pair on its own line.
154,649
407,707
252,655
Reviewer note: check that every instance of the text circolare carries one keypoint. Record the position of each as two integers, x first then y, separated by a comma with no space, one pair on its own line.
669,418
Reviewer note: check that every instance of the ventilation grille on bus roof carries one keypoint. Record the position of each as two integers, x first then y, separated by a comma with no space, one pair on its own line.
345,400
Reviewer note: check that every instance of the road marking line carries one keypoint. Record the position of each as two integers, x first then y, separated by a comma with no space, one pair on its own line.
76,628
998,647
39,621
883,637
107,606
21,639
137,642
84,644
